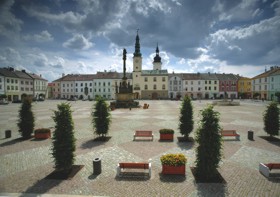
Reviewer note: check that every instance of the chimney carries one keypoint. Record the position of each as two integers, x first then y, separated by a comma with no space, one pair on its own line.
23,71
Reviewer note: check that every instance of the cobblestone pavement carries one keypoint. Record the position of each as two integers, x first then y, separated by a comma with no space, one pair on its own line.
25,164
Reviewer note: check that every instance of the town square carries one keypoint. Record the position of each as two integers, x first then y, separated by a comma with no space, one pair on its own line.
25,164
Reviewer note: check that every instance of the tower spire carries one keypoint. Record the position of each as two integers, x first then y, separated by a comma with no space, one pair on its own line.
157,58
137,52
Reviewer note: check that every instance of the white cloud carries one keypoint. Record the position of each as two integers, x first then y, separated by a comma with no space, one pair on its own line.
43,36
182,61
78,41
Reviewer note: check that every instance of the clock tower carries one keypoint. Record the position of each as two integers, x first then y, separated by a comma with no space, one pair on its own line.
137,56
137,68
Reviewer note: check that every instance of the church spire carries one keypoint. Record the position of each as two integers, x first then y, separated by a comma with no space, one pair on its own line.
157,58
137,52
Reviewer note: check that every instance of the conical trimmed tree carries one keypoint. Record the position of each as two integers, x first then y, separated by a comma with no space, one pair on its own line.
26,119
63,138
101,117
208,151
271,119
186,117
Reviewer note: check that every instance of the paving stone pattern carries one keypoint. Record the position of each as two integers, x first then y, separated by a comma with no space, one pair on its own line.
25,164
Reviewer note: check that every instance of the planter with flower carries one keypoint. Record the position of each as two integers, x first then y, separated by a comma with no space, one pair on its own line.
173,164
42,133
166,134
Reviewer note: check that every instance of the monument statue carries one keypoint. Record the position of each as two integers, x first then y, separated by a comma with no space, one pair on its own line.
124,66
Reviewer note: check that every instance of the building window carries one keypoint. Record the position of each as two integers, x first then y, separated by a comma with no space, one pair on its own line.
163,87
191,88
16,88
86,84
271,79
109,83
191,82
82,89
265,87
209,82
82,84
186,82
90,84
90,90
205,88
215,82
210,88
15,81
155,79
146,79
215,88
76,84
155,87
198,82
170,82
205,82
104,84
163,78
146,87
8,87
63,85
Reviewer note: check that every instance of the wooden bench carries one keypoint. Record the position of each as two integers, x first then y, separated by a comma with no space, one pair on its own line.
143,134
229,133
265,169
144,166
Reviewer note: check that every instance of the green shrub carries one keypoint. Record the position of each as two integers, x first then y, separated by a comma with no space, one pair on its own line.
173,159
208,151
101,117
63,138
186,117
26,119
42,130
271,119
166,131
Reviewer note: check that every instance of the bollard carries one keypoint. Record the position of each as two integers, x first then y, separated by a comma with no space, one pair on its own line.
251,135
8,133
97,166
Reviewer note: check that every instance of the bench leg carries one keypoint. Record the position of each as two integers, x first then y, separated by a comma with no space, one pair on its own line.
238,138
264,170
118,170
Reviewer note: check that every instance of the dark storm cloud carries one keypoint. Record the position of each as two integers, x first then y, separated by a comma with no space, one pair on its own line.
192,32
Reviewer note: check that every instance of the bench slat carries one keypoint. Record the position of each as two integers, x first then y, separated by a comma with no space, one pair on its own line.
140,133
273,166
134,165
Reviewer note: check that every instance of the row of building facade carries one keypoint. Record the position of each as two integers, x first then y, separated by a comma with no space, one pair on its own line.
156,83
161,85
16,84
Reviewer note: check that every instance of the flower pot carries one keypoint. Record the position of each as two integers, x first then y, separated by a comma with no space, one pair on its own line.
173,169
166,136
42,135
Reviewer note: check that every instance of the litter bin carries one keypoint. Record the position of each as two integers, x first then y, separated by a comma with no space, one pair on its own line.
251,135
8,133
97,166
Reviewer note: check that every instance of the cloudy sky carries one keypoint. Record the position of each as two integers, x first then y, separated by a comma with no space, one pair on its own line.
52,37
